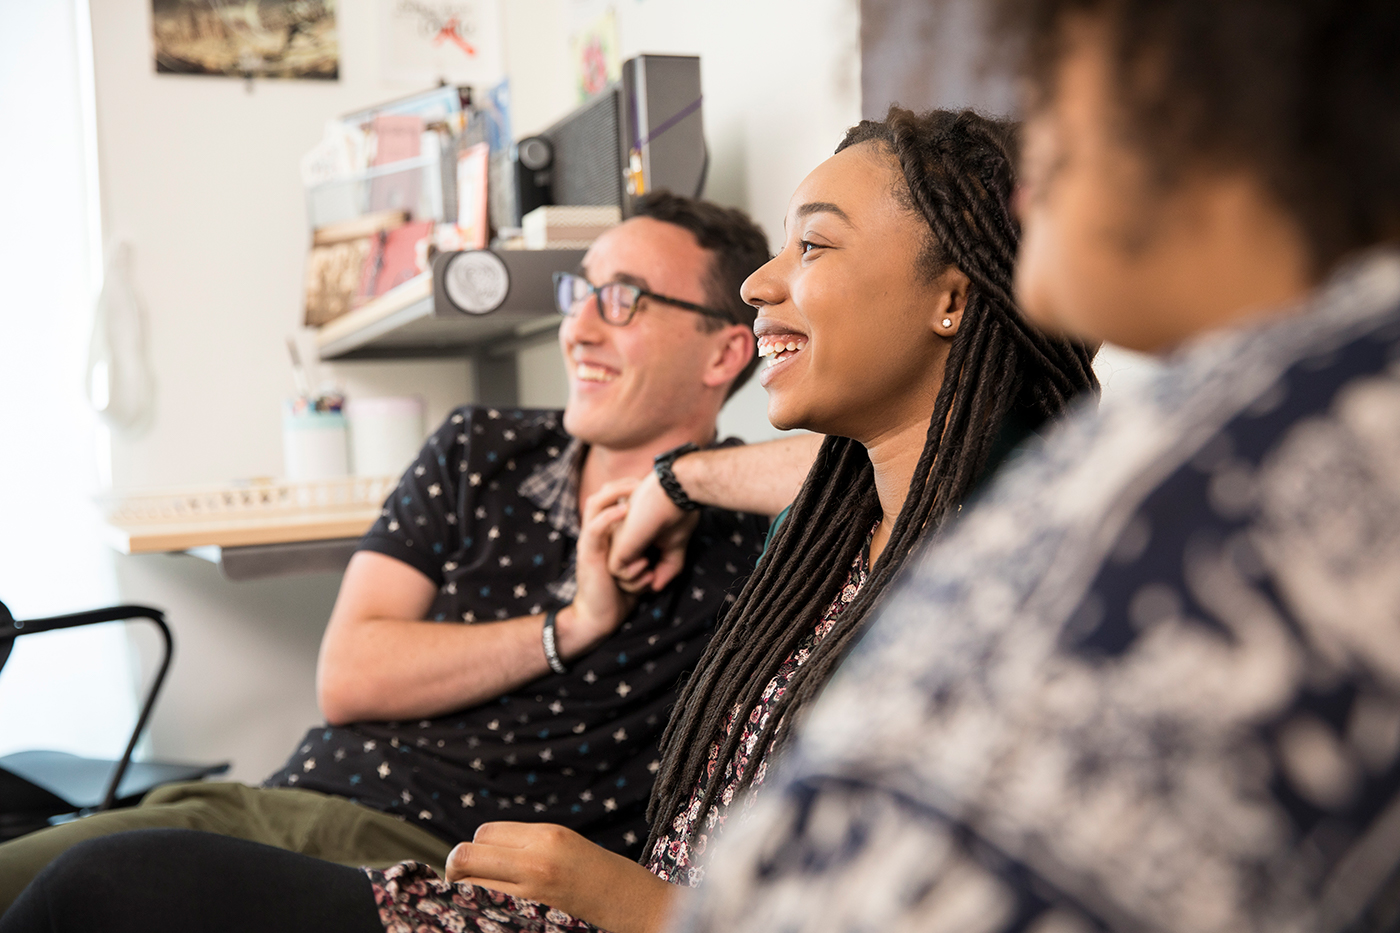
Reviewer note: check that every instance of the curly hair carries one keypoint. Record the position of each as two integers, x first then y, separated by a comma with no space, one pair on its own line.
1305,94
958,177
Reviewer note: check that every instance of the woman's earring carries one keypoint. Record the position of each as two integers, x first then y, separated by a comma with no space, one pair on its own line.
947,322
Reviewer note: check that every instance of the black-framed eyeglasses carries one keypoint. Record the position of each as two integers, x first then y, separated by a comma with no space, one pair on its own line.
617,301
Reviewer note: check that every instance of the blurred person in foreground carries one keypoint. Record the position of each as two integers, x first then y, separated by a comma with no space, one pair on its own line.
1152,681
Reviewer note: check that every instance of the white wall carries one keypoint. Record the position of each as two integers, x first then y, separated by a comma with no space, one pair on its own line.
201,175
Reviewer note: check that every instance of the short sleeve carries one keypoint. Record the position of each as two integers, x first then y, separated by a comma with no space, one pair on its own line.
419,522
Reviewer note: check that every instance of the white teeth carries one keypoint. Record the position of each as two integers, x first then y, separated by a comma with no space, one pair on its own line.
774,347
587,372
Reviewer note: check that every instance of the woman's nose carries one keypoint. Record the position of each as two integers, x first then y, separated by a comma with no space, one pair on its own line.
765,285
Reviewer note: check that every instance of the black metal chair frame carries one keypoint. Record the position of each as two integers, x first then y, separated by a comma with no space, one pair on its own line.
12,628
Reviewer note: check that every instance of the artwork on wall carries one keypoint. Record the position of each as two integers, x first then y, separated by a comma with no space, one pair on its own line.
450,41
597,61
256,39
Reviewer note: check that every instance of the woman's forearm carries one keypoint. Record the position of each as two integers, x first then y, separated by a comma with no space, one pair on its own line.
759,478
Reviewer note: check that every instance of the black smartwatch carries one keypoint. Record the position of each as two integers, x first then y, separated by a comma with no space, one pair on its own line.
668,479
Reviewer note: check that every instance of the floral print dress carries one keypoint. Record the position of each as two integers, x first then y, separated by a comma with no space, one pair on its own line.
412,898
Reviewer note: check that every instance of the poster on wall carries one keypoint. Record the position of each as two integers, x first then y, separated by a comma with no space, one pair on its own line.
256,39
449,41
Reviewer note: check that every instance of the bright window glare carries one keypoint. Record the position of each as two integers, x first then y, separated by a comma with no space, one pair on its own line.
66,691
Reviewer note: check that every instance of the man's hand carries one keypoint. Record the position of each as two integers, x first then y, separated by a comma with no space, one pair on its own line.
652,519
556,866
599,606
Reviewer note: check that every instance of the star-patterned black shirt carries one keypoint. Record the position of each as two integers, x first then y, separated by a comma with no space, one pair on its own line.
489,512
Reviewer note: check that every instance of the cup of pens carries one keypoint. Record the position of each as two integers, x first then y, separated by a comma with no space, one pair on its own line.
313,437
313,426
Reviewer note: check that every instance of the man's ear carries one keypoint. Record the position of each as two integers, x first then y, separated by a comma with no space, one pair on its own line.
732,348
951,301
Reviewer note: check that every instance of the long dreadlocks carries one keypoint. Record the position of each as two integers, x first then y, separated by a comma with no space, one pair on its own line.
958,168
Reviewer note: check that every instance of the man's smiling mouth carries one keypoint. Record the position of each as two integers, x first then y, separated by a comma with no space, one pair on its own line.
590,372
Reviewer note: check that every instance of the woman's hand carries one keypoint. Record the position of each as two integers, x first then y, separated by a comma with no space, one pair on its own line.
556,866
652,519
599,605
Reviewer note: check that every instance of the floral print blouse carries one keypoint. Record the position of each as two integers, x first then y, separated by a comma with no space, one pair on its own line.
676,851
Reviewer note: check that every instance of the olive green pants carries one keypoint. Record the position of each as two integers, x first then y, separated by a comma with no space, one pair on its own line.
304,821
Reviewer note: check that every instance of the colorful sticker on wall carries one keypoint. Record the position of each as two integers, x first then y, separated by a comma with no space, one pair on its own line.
597,61
454,41
257,39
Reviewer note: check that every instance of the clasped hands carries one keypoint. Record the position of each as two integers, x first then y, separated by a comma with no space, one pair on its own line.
622,523
643,533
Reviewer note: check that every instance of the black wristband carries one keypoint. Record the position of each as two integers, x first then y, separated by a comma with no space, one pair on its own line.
673,488
551,646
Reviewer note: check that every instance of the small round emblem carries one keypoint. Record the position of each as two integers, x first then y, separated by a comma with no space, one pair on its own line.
476,281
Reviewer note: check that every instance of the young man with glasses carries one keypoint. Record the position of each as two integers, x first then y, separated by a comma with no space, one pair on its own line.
480,663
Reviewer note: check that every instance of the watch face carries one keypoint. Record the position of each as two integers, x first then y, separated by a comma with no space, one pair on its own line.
476,281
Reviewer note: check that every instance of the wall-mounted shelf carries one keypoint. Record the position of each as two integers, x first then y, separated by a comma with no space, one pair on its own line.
405,323
418,319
